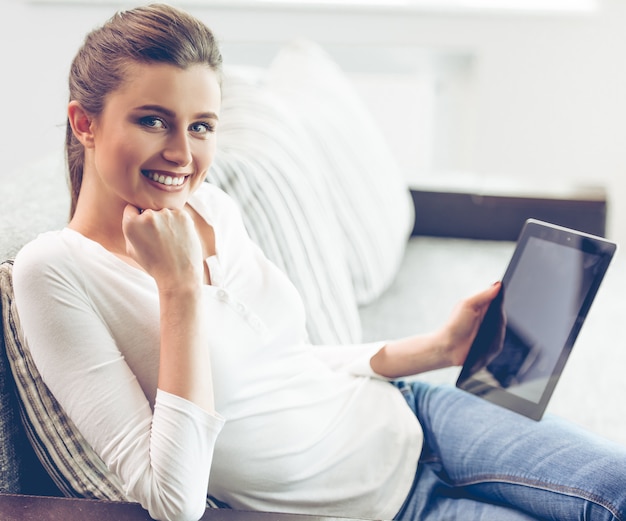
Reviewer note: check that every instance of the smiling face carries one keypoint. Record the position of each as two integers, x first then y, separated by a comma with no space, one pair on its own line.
154,141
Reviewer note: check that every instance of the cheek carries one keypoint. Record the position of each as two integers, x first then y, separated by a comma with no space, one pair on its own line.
113,161
203,158
109,140
205,153
128,150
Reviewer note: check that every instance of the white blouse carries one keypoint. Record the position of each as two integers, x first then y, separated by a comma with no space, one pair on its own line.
301,428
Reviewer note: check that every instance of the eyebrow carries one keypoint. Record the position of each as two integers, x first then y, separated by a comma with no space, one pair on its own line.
171,114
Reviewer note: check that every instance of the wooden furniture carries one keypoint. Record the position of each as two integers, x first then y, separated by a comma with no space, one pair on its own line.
18,507
499,215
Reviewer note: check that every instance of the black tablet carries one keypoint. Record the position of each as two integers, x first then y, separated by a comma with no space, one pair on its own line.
529,329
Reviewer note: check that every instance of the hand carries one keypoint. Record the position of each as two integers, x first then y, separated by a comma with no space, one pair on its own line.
165,244
443,348
458,333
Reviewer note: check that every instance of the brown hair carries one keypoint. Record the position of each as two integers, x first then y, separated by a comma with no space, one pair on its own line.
155,33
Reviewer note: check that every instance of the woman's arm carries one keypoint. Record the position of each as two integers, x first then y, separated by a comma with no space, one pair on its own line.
416,354
81,329
445,347
166,245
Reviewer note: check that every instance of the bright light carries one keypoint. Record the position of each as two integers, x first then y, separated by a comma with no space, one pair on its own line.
451,5
516,5
380,3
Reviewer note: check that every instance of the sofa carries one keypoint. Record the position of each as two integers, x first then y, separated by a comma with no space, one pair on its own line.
322,194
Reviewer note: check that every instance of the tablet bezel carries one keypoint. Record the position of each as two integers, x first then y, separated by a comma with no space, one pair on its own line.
560,235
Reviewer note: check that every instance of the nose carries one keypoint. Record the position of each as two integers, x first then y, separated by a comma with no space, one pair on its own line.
177,149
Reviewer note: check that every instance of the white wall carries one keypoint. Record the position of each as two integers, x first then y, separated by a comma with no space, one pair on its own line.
546,94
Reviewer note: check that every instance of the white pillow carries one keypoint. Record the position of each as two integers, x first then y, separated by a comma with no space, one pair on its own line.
265,162
368,192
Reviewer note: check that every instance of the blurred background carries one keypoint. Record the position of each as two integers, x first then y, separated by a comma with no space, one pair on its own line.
493,96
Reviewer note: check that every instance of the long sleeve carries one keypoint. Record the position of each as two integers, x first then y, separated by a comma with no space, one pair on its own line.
80,335
297,419
353,359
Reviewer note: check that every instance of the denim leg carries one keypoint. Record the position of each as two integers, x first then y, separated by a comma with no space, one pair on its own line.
481,461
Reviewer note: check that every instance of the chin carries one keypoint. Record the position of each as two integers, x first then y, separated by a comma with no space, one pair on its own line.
171,203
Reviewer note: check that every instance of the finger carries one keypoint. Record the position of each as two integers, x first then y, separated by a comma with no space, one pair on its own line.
129,218
486,296
493,290
130,211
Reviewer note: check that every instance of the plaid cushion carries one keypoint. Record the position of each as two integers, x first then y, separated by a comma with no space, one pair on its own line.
10,455
71,462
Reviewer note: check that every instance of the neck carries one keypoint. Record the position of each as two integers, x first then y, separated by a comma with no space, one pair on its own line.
101,225
98,214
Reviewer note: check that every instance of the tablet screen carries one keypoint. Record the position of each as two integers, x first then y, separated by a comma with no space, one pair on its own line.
529,329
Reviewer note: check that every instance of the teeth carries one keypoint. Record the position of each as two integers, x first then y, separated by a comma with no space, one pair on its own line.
165,179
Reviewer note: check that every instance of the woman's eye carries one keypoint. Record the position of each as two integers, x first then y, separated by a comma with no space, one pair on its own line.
201,128
152,122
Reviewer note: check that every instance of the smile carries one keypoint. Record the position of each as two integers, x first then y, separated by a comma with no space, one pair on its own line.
164,179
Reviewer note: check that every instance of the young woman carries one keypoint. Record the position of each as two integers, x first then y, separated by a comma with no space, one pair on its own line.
179,351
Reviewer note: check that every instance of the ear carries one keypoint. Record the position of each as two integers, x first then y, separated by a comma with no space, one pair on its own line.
81,124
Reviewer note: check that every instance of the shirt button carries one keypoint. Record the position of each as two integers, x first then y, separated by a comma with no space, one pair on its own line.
222,295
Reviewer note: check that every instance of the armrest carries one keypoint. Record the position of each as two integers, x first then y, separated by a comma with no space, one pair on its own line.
15,507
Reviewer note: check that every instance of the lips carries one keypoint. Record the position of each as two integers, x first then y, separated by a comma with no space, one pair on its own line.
164,179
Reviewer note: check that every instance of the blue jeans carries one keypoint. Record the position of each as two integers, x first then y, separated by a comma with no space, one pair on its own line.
483,462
